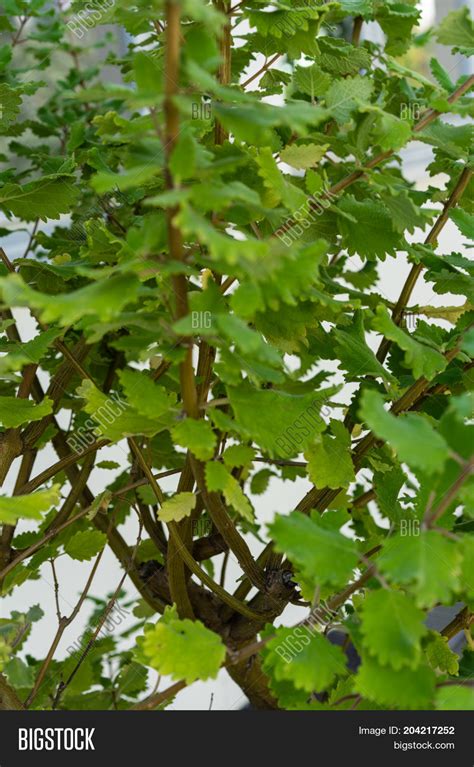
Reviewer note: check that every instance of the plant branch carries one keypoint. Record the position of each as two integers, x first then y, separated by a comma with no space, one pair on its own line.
189,396
59,466
185,553
356,30
450,495
225,50
63,624
249,650
108,609
262,69
417,269
461,621
428,117
227,529
9,700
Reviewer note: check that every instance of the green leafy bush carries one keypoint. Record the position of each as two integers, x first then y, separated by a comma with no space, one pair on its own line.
211,214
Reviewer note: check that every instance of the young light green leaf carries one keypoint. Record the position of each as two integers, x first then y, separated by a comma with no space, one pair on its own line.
15,411
183,649
28,506
113,418
102,299
197,436
345,95
178,507
219,479
238,455
439,654
304,156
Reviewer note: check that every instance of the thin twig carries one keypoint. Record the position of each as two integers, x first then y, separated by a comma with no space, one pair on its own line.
262,69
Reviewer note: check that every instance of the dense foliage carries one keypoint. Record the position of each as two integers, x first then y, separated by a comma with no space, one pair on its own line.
210,215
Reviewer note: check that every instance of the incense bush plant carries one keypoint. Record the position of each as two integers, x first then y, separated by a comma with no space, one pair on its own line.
208,215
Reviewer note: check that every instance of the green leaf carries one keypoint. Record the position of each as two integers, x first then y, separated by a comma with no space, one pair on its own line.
312,81
454,140
219,479
420,358
113,418
329,459
455,698
439,654
148,74
260,481
10,103
392,627
441,75
366,228
303,155
273,80
238,455
147,397
45,198
387,486
348,94
137,176
340,58
31,351
303,657
428,562
281,423
282,23
358,7
132,680
15,411
402,688
19,674
323,556
197,436
405,214
183,157
457,30
178,507
411,436
397,21
467,567
100,503
102,299
354,354
392,133
183,649
464,222
28,506
85,544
